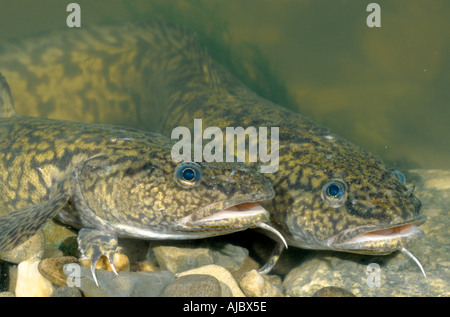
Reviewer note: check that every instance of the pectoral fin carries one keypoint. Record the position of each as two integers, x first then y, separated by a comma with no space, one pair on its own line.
18,226
93,244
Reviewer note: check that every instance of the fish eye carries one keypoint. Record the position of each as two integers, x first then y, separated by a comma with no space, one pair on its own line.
188,174
334,193
400,176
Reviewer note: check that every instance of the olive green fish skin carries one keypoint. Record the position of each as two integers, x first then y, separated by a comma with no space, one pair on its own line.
114,177
163,74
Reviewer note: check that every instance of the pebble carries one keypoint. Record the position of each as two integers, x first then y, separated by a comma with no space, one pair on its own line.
313,275
184,256
30,283
52,269
253,284
229,256
248,265
195,285
66,291
126,284
333,291
32,249
59,240
176,259
120,261
146,265
221,274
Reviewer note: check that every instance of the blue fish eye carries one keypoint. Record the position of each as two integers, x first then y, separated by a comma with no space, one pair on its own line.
334,190
188,174
334,193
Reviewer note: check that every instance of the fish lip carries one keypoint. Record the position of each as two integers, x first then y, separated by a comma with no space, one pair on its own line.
218,215
378,240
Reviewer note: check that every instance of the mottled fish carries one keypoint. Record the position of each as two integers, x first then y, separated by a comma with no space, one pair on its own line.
115,182
330,193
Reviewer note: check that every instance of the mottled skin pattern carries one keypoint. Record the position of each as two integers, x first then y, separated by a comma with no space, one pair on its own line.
164,78
112,182
124,175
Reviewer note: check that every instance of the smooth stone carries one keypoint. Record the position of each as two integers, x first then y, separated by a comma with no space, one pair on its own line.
125,284
52,269
30,283
309,277
120,261
220,273
146,265
66,291
175,259
59,239
333,291
248,265
183,256
253,284
150,284
32,249
53,253
229,256
195,285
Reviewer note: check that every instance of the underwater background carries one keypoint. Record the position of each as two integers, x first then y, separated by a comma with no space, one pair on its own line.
386,89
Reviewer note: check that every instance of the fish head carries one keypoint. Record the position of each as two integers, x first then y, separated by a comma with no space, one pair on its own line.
343,198
149,195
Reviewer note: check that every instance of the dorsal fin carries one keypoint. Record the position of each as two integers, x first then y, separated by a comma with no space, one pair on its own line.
6,102
203,59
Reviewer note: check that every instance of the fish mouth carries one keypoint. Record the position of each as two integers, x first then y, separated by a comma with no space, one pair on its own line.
238,216
234,218
378,240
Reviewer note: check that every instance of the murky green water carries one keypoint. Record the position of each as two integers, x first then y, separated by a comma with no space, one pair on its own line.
386,88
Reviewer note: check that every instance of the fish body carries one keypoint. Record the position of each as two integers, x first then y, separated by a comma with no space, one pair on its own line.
329,193
115,182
